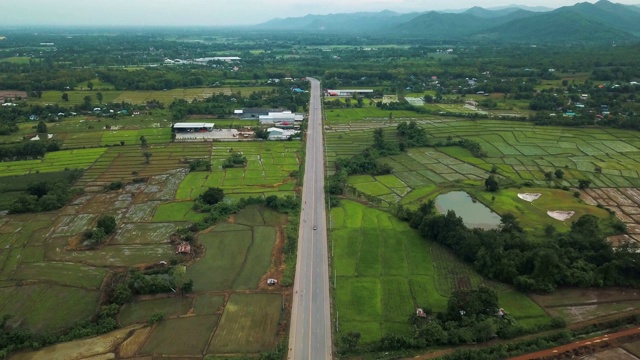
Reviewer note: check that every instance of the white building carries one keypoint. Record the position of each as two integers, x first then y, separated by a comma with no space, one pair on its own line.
362,92
192,127
276,117
280,134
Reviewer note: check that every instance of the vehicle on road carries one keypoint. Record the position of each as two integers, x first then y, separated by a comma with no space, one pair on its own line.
315,227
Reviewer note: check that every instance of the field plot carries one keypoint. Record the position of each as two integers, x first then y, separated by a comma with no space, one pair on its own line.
228,305
625,202
141,311
124,163
248,325
576,305
186,336
532,216
168,96
237,256
267,172
521,151
53,162
47,307
384,270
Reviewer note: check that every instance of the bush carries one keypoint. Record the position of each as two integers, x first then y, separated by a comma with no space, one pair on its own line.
107,223
116,185
211,196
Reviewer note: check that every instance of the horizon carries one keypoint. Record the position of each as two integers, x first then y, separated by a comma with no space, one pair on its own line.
203,13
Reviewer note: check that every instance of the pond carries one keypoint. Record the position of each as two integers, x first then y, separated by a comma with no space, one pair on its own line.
473,213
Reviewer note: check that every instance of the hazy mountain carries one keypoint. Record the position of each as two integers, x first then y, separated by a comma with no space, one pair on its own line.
352,22
613,15
443,25
523,7
490,14
557,26
583,22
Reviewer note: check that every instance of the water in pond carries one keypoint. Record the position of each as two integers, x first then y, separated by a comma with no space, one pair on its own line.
474,214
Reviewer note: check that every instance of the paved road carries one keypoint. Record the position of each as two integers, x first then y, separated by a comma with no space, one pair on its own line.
310,334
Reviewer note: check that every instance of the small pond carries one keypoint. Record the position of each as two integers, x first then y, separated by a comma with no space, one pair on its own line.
473,213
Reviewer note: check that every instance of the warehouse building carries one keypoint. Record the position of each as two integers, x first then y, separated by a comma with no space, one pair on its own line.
192,127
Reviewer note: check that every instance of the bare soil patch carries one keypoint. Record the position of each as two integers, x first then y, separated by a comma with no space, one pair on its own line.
561,215
530,197
130,347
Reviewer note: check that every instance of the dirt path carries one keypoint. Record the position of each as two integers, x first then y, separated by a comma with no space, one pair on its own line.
592,342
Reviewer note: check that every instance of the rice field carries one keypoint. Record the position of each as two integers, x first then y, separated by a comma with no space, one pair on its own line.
267,172
520,151
383,271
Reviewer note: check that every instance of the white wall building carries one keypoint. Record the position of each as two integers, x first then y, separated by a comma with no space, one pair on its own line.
277,117
280,134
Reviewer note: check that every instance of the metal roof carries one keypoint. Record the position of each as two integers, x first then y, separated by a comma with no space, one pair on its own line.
192,125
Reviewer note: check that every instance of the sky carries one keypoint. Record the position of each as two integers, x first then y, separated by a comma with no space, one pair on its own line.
216,12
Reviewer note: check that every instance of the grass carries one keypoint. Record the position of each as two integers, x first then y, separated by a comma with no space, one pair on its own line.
141,311
223,260
45,307
16,59
53,162
236,257
208,304
182,211
258,259
186,336
248,325
63,273
384,270
116,255
533,216
267,172
143,233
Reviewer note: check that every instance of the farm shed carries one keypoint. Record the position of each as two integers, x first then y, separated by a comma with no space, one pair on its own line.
183,248
192,127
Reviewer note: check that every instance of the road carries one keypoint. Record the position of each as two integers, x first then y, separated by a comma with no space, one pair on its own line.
310,333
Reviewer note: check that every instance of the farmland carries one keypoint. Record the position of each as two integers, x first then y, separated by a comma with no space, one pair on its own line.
267,172
521,155
139,97
384,270
227,313
521,151
46,251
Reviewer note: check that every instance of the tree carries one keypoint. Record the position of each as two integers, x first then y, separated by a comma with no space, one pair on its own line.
90,85
98,235
121,294
107,223
212,196
99,97
491,184
598,169
584,184
548,176
350,340
559,174
147,157
378,139
86,102
65,97
42,127
143,141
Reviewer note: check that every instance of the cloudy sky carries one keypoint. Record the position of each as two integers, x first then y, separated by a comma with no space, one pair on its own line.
216,12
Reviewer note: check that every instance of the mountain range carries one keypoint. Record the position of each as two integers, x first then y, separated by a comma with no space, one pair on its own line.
601,22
